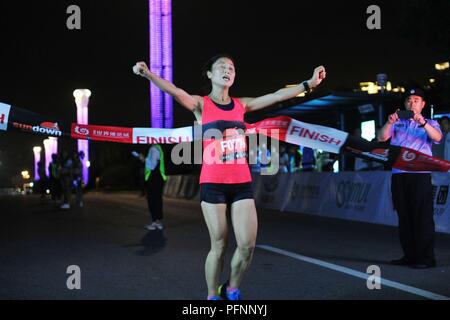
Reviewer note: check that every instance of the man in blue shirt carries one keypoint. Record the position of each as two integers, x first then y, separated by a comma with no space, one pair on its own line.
412,192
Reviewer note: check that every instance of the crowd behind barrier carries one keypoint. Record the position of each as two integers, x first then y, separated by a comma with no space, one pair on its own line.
357,196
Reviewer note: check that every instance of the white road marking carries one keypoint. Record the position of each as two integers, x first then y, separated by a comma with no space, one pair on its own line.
354,273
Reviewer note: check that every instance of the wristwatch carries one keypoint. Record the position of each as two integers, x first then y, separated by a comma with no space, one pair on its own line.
306,86
423,125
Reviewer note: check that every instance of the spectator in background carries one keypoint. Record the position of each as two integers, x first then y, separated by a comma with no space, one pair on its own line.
78,182
308,159
445,127
284,159
141,173
325,161
412,194
264,157
54,174
155,177
66,178
42,179
295,158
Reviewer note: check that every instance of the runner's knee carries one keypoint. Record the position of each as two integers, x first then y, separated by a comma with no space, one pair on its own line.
246,251
218,248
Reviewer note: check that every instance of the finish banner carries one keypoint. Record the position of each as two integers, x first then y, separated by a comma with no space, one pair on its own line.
282,128
300,133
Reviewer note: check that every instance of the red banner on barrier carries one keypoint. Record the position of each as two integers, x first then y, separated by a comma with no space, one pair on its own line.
280,125
412,160
102,133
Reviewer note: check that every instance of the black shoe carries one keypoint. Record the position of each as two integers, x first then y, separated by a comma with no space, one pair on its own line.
401,262
223,291
424,265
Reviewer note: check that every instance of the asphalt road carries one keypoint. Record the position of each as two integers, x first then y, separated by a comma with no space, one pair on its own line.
298,256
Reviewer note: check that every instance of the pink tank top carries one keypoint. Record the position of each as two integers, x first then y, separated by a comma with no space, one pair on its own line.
224,160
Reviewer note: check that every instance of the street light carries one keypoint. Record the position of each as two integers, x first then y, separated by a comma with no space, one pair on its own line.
37,158
25,175
82,101
442,66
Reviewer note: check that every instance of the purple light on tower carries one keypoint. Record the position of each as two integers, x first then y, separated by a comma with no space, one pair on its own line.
48,154
82,101
37,158
160,12
53,145
166,13
50,147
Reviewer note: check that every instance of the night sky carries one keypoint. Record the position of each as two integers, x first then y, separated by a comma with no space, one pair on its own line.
274,43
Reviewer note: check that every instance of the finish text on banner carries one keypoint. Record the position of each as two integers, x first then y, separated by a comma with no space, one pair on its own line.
316,137
162,136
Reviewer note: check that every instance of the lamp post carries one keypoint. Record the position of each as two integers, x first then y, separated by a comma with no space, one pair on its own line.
82,101
382,80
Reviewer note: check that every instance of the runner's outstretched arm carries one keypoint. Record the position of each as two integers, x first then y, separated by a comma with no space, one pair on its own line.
253,104
190,102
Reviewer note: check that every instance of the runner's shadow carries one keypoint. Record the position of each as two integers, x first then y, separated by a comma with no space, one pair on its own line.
153,242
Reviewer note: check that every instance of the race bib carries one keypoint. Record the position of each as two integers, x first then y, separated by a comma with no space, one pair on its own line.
231,148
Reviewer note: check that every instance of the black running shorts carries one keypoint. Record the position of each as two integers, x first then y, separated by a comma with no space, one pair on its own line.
225,193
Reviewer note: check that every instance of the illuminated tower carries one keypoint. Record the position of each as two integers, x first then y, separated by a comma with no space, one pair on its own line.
37,158
82,101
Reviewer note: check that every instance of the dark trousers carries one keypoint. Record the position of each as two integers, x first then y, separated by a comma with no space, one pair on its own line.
78,183
55,188
66,187
154,189
413,200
